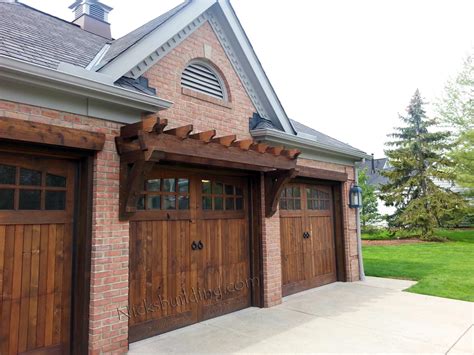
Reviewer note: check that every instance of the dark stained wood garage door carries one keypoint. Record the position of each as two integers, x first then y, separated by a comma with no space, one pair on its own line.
36,227
189,251
307,237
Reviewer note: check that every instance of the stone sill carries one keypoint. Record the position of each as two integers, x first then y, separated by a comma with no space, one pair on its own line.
204,97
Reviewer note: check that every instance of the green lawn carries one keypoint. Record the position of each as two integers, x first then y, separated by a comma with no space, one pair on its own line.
441,269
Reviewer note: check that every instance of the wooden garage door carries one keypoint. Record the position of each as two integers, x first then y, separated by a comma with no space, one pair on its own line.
36,223
189,251
307,237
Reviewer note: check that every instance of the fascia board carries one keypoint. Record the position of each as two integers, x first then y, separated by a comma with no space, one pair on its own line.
306,144
50,78
256,66
122,64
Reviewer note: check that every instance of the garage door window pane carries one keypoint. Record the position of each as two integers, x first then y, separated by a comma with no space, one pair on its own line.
30,177
217,188
296,192
55,181
153,202
55,200
239,204
169,185
206,187
297,204
7,199
30,200
218,203
169,202
7,175
229,189
238,191
206,203
141,203
183,185
183,202
153,185
229,204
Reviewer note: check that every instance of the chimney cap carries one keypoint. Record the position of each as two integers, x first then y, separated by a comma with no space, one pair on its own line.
79,2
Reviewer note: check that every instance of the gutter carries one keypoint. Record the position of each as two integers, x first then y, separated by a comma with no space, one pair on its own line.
306,143
19,70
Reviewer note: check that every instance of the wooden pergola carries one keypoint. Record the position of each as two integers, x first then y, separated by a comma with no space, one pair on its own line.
142,144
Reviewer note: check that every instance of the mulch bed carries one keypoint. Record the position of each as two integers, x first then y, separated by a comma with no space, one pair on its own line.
392,241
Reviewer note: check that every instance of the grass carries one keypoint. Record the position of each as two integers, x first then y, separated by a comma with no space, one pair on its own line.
441,269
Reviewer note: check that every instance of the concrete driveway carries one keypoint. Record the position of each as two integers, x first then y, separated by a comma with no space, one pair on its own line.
363,317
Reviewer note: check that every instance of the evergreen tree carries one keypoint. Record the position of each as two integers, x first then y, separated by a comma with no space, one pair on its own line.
418,159
369,213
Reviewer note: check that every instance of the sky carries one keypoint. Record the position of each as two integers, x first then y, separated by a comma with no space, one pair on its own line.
344,67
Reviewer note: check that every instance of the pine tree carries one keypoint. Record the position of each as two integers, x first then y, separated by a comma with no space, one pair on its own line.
369,213
418,159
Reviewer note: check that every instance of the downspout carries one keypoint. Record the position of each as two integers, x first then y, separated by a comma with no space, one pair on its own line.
359,238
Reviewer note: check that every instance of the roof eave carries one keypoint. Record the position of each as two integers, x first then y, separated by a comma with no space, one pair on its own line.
307,144
46,77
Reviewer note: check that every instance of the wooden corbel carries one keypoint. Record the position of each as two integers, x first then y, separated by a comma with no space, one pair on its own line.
132,180
274,183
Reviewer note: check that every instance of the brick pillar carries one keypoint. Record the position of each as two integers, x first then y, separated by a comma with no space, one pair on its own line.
271,254
110,256
350,231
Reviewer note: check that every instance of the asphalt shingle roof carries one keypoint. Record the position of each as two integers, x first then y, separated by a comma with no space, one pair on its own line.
321,137
123,43
375,177
36,37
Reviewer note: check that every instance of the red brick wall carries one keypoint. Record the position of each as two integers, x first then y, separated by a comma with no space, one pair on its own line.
228,118
109,273
271,255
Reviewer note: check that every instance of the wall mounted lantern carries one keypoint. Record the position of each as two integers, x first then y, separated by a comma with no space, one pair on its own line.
355,197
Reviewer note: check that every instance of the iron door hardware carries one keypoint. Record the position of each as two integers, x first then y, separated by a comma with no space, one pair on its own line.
306,235
197,245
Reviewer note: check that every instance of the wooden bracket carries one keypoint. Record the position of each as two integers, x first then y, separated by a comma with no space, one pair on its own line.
132,179
274,183
243,144
225,140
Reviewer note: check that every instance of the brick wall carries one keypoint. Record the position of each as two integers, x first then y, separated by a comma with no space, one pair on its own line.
271,256
200,110
109,273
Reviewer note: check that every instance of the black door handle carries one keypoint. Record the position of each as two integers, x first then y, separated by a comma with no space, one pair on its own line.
194,246
306,235
200,245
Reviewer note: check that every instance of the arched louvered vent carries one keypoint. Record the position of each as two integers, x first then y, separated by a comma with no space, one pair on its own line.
201,78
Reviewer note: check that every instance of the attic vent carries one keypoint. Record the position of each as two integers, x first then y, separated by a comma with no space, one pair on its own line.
202,78
97,12
79,11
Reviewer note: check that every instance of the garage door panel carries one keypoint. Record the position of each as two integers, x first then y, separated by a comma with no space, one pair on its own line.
291,249
191,280
307,237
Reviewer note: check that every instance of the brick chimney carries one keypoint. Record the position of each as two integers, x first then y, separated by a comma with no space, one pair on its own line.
92,16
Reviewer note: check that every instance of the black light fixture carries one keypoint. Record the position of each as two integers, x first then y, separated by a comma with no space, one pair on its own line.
355,197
